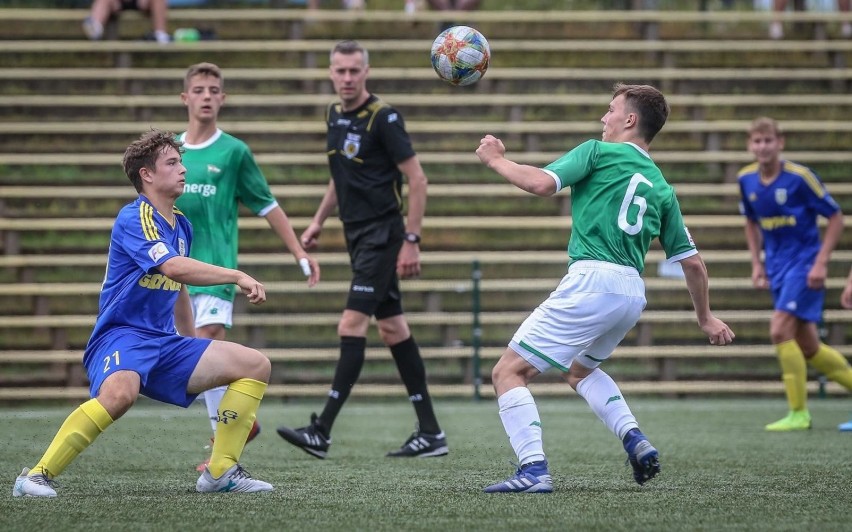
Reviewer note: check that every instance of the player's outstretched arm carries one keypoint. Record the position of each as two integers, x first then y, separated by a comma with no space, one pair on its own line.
528,178
196,273
698,284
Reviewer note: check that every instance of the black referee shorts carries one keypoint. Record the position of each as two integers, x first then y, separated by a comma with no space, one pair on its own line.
373,251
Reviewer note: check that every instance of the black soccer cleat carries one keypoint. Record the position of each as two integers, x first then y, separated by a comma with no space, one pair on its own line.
422,445
310,439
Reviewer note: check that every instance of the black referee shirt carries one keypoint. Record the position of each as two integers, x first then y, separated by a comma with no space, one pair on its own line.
364,147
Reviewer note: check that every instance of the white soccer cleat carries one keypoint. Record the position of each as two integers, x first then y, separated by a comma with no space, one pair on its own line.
235,479
33,486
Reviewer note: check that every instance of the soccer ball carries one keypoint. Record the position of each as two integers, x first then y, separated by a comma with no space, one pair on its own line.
460,55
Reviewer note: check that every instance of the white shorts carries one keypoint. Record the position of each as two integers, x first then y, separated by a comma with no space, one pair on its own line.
211,310
584,319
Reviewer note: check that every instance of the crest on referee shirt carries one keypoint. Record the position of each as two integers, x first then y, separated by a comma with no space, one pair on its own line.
780,196
351,145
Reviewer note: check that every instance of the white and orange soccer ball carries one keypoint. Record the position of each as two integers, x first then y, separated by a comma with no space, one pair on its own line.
460,55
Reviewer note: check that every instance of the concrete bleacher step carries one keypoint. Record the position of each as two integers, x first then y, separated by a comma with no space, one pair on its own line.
506,53
56,365
46,268
47,200
112,79
311,167
33,235
431,328
671,388
497,106
293,136
298,23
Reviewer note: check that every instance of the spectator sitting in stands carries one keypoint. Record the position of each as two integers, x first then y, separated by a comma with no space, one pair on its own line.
103,10
776,29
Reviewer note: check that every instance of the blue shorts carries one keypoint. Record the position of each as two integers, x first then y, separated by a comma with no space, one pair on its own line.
791,294
164,363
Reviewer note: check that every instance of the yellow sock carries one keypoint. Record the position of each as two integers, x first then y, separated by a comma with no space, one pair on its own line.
833,365
79,430
237,412
794,373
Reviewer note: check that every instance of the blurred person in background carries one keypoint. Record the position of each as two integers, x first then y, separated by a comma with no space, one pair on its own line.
846,302
369,153
221,174
776,28
782,201
103,10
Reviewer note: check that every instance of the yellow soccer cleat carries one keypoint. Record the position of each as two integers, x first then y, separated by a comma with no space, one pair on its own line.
795,420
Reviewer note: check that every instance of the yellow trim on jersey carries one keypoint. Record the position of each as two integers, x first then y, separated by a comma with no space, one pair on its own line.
374,108
748,169
146,218
810,179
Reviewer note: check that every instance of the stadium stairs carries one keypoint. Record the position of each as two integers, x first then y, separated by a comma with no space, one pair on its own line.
68,108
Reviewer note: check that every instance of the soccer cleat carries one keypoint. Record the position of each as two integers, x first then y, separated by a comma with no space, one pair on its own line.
33,486
845,427
255,430
795,420
529,478
235,480
422,445
309,439
642,456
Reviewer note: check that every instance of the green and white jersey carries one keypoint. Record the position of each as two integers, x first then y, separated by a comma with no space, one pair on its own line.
220,174
620,203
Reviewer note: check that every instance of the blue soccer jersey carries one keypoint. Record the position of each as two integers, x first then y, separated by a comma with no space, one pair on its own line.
135,295
786,211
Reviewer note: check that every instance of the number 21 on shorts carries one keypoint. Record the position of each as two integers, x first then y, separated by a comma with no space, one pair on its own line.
113,357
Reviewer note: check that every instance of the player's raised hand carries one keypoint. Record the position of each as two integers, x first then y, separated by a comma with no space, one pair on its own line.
252,288
490,149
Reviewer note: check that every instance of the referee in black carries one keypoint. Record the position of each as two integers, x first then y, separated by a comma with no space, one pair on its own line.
368,153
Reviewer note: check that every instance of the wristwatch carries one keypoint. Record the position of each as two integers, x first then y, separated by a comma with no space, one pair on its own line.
414,238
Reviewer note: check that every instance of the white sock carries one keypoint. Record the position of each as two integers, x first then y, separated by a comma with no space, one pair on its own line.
520,418
606,401
212,398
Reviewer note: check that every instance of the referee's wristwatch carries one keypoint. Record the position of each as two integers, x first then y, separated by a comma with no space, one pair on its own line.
413,238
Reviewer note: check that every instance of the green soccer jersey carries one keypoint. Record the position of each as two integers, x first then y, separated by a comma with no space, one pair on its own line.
620,202
220,174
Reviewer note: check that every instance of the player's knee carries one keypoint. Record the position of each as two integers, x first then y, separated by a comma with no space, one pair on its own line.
779,335
258,366
501,373
117,401
572,380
